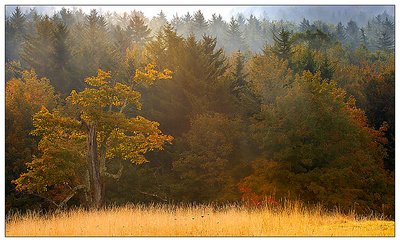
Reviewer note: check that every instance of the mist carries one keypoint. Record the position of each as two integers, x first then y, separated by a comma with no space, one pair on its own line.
200,104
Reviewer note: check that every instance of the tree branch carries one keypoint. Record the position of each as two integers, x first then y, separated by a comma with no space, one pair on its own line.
62,204
116,176
153,195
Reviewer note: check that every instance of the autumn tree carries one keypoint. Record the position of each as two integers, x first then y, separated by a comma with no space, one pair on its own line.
269,76
318,147
24,96
210,157
77,146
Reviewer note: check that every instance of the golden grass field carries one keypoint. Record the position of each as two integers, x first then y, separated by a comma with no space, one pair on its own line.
166,220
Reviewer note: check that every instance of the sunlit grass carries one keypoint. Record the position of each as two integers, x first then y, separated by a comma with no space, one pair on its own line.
168,220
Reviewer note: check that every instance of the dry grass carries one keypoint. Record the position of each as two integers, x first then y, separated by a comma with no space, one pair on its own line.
163,220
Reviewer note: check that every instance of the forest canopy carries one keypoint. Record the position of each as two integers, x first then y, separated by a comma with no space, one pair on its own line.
115,108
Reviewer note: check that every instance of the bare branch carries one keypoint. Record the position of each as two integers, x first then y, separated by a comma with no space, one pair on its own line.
116,176
62,204
153,195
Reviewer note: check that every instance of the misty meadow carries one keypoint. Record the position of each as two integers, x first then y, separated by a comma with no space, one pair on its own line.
245,116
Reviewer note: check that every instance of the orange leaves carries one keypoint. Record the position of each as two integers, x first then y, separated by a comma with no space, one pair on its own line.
150,75
100,79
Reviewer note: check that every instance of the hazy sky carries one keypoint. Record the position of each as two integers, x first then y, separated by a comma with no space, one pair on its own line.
292,13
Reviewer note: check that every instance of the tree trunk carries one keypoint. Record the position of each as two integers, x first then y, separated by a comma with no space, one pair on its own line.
96,183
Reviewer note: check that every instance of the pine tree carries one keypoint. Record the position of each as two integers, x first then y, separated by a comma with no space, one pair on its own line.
253,33
215,27
188,25
326,68
308,62
61,73
239,81
15,33
157,22
38,46
235,37
138,30
304,25
352,35
340,32
199,25
385,42
364,40
283,44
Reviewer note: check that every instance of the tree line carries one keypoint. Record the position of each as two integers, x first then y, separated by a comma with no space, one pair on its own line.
241,111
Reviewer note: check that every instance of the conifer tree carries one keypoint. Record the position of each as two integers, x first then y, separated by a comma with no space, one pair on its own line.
283,44
340,32
138,30
235,37
15,33
199,25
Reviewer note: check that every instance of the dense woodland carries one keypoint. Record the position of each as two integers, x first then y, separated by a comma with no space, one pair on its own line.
119,108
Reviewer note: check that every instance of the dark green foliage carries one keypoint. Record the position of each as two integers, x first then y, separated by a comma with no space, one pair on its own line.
306,143
385,42
326,69
304,25
283,44
208,157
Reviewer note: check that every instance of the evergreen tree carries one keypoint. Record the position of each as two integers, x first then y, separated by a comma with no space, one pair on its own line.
199,25
304,25
95,47
61,57
15,33
326,69
138,30
188,25
283,44
364,40
352,35
253,32
38,46
239,82
385,42
157,22
67,17
308,62
340,32
234,37
215,26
